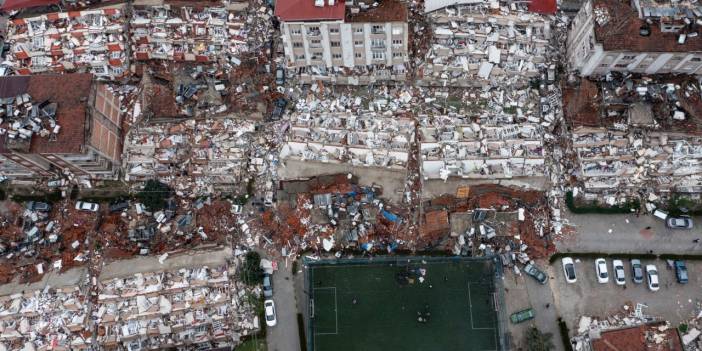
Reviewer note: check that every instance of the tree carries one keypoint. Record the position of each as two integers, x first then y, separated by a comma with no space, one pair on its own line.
154,195
538,341
251,271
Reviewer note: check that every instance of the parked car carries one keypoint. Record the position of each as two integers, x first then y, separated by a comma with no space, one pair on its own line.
119,206
601,269
38,206
569,269
270,313
682,222
522,316
680,271
636,271
618,269
652,275
267,285
279,75
533,271
87,206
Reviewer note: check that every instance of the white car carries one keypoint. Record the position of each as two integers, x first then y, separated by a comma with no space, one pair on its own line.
569,269
652,277
87,206
601,269
618,269
270,313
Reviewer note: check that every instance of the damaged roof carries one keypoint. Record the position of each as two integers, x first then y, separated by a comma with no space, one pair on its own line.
635,339
386,11
10,5
617,27
70,92
305,10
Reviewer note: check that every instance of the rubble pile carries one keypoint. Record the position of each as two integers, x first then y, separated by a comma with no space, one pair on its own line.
183,33
639,137
629,328
495,134
195,158
22,118
188,308
495,41
358,139
84,41
46,319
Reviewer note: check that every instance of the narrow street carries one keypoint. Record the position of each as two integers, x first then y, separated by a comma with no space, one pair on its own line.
284,336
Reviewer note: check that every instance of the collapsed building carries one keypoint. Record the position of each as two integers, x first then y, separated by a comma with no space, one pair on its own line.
188,309
645,36
635,136
345,42
47,319
187,33
90,41
497,135
49,130
473,43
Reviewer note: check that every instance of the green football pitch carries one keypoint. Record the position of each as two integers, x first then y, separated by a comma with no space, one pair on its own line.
383,305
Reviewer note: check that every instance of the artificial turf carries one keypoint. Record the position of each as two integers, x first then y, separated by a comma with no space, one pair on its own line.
458,294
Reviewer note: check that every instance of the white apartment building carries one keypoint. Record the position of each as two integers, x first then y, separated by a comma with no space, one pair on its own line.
327,38
645,36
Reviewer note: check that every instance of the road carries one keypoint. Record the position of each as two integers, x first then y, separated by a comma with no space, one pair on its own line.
628,234
284,336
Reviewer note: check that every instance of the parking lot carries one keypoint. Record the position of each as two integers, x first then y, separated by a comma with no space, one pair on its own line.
674,302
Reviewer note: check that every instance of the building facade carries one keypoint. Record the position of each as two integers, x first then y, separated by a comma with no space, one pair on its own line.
324,38
644,37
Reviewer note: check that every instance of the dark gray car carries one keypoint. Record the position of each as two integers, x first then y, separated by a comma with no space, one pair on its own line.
636,271
267,285
38,206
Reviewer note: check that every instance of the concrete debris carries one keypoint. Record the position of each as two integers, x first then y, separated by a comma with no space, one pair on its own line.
92,40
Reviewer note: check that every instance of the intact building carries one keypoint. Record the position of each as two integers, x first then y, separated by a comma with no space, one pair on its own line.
645,36
333,39
54,124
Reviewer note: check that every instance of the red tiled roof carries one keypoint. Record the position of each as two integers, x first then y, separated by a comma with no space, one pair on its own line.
386,11
10,5
543,6
621,32
304,10
70,92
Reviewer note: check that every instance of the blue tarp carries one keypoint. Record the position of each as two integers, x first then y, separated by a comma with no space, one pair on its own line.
367,246
390,216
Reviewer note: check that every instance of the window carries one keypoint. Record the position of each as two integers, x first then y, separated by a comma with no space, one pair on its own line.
358,55
378,43
397,42
295,31
397,55
299,57
335,44
628,57
378,55
315,43
696,59
336,56
357,43
316,55
334,30
313,31
358,30
621,65
297,44
376,29
396,30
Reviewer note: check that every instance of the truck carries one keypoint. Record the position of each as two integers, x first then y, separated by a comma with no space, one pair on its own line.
521,316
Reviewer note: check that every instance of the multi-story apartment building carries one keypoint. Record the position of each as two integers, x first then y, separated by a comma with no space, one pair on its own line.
643,37
330,39
76,130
